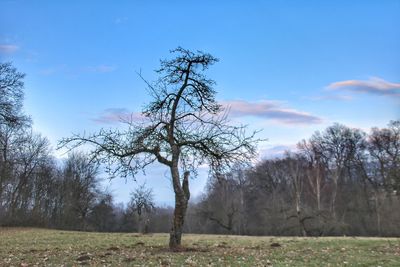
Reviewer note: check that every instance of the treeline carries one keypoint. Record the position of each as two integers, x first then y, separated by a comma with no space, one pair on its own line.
36,189
341,181
39,191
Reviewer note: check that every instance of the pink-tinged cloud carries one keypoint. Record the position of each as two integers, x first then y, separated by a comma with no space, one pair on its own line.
330,98
271,110
117,115
8,49
374,85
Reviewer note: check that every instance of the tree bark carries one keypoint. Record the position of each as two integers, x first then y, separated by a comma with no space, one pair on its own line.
298,213
182,196
140,224
335,179
378,214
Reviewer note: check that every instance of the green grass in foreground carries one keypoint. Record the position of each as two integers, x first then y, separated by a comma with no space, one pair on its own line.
39,247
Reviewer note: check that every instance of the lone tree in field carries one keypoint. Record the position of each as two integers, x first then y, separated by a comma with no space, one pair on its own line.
183,127
142,203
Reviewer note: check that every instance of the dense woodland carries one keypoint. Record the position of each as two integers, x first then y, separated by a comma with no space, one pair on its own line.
341,181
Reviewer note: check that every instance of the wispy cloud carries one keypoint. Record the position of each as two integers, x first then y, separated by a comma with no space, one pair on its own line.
272,110
101,68
48,71
374,85
75,71
330,98
8,49
120,20
117,115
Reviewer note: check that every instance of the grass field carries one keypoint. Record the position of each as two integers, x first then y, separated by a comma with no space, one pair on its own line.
40,247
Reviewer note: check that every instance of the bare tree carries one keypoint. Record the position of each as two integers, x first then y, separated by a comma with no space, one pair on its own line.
183,127
142,204
80,190
315,174
12,122
269,199
33,151
294,164
381,167
222,204
384,148
102,215
337,146
11,95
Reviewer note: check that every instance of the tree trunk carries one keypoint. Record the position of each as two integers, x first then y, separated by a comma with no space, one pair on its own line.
298,213
178,221
140,226
319,202
182,196
378,214
334,195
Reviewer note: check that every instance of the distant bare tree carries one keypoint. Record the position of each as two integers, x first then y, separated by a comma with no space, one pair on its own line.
142,204
13,123
295,169
11,95
80,190
269,199
381,167
384,148
316,175
34,150
337,146
222,204
184,127
102,215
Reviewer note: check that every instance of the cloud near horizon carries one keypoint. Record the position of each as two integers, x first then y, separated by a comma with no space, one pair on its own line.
117,115
8,48
272,110
276,151
373,85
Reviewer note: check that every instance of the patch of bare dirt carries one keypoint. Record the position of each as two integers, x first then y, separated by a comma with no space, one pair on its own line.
275,245
181,249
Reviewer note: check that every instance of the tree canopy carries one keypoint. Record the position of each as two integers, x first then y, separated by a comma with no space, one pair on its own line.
11,95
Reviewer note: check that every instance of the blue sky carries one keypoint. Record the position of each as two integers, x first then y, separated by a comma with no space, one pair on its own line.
287,67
